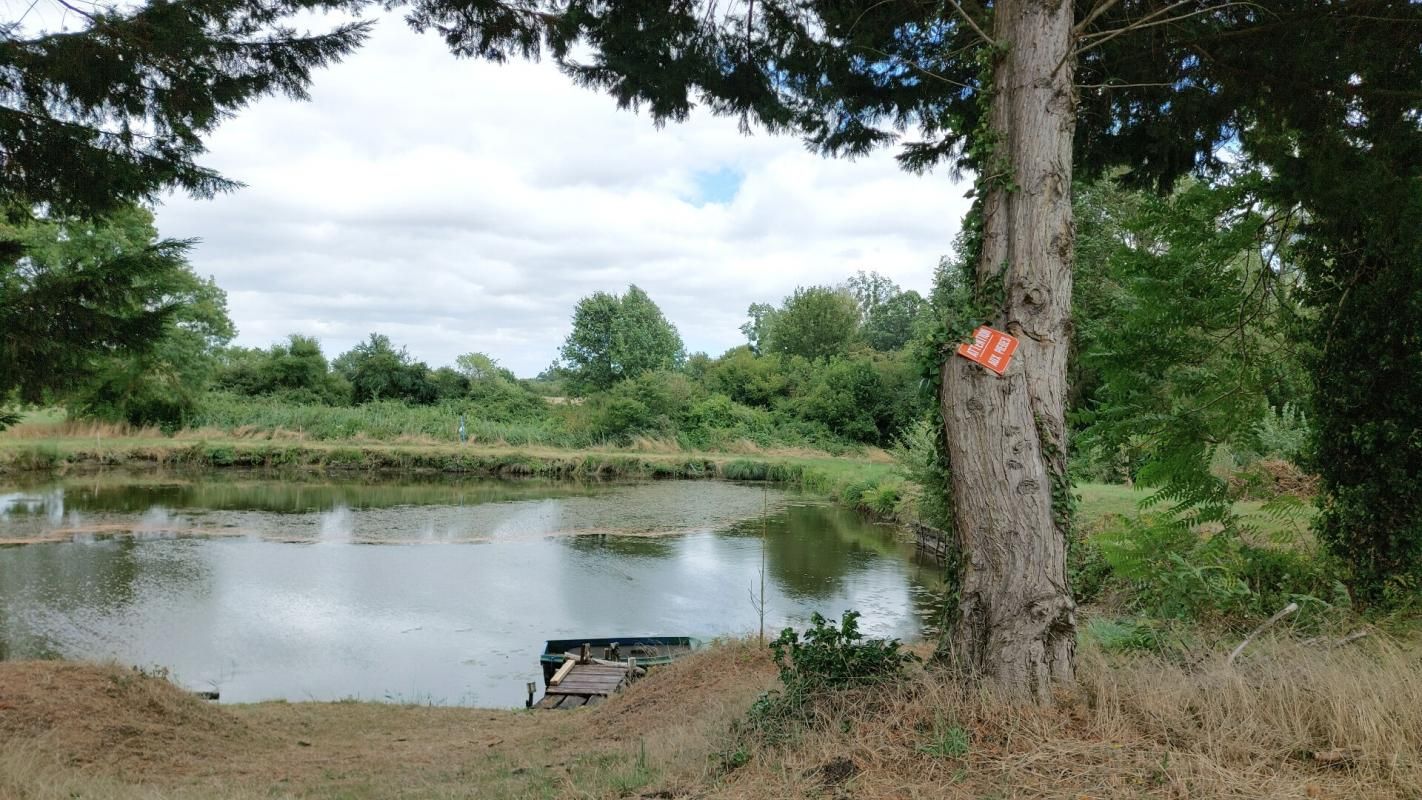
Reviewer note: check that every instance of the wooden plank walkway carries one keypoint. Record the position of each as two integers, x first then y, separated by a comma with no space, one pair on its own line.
585,685
931,541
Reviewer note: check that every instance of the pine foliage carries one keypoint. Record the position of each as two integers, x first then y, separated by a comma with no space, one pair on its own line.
115,111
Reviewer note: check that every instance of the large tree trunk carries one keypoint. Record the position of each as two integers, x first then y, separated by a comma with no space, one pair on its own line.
1006,435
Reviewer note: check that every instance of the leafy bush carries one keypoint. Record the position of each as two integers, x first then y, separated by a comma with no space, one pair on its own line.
1088,570
718,419
832,655
920,460
846,397
654,403
882,498
829,657
747,378
1282,433
1174,571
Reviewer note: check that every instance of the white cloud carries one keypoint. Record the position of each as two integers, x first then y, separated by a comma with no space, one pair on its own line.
460,205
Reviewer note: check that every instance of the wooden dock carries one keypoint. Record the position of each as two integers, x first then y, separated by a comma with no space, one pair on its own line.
931,541
585,681
585,685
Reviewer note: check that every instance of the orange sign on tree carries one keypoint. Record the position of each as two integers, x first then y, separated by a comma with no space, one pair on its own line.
993,349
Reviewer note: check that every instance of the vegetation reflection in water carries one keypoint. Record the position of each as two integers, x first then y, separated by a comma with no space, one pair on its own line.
288,607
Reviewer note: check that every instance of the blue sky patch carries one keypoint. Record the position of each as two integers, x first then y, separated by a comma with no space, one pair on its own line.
717,186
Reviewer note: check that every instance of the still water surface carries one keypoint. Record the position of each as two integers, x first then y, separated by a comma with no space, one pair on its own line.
421,590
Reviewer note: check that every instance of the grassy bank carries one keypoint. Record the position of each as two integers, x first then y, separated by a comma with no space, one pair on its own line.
868,481
1292,720
815,472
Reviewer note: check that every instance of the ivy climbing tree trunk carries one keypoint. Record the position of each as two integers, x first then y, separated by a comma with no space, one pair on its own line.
1006,435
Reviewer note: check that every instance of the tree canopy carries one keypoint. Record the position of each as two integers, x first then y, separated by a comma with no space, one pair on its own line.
377,370
615,338
813,322
115,111
94,306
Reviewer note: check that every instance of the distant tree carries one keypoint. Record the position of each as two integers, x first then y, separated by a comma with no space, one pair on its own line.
890,325
757,329
378,371
887,313
478,367
616,338
106,312
449,383
814,322
295,369
298,364
643,339
871,289
587,353
551,382
747,378
697,365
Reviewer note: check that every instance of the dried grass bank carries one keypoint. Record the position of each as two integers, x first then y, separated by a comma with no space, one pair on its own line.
1292,720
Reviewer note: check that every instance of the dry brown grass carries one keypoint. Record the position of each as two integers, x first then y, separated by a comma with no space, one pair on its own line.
416,438
878,455
111,716
79,429
653,444
1138,727
1295,721
83,730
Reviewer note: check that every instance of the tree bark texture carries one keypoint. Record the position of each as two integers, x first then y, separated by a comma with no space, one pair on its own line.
1006,435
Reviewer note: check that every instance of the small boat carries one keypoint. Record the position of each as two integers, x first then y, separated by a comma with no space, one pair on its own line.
650,651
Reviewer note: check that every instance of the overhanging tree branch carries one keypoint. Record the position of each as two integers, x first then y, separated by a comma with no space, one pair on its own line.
988,40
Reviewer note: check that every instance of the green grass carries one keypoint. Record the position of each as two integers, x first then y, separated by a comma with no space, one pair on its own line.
1099,501
42,416
381,421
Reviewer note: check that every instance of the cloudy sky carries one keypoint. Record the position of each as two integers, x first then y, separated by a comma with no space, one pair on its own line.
460,206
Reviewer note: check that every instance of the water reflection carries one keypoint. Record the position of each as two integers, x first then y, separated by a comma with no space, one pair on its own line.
292,606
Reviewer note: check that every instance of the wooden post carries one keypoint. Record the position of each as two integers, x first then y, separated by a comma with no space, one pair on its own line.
532,687
584,653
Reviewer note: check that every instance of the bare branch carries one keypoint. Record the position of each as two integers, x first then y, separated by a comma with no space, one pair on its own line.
969,18
926,71
1101,8
1268,623
865,13
1350,638
80,12
1126,85
1153,19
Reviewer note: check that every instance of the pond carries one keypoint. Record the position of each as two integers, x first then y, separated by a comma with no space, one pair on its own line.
421,590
